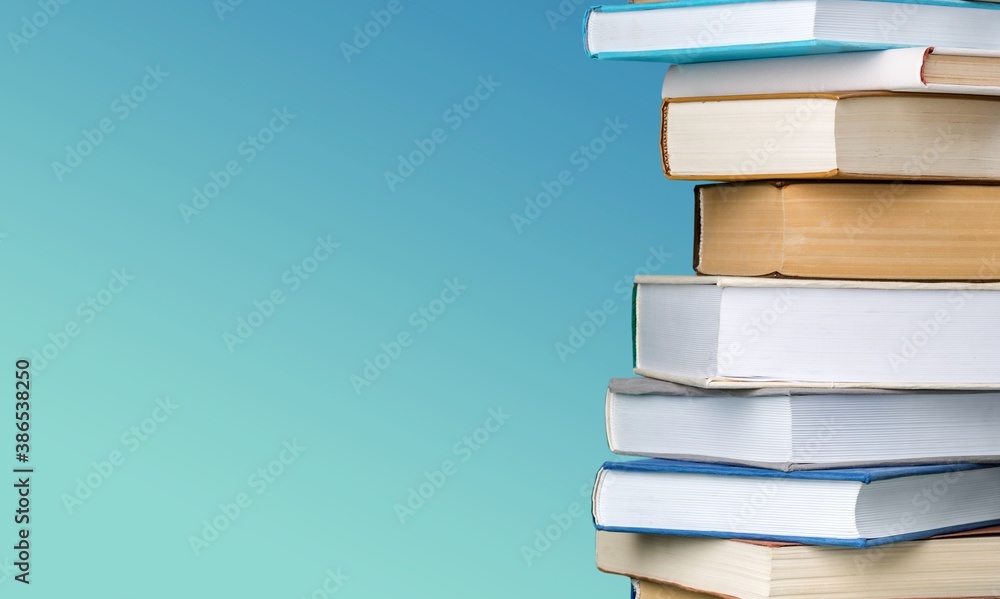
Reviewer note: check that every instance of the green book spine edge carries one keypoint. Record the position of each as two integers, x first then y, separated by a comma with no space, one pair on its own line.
635,295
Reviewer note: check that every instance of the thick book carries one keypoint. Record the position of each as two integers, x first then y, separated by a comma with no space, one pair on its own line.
863,135
759,332
802,429
919,70
952,566
859,507
848,230
689,31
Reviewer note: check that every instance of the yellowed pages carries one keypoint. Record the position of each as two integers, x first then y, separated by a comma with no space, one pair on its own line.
653,590
879,231
740,230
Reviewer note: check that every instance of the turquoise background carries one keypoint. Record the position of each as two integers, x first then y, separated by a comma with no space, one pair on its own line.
330,514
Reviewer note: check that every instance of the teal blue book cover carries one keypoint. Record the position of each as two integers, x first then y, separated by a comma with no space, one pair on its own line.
724,30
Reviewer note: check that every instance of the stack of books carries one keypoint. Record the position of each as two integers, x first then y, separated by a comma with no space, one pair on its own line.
819,408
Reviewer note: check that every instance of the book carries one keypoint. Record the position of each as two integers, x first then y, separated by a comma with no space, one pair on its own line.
757,332
960,565
859,507
919,70
802,429
642,589
688,31
864,135
848,230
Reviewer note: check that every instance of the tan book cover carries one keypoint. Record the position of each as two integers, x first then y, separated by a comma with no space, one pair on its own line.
851,230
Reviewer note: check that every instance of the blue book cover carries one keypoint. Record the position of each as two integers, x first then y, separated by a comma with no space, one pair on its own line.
861,475
896,29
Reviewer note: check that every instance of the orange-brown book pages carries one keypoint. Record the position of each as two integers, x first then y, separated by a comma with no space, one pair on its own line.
849,230
646,589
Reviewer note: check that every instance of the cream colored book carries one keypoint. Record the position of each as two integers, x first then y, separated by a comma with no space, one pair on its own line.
952,566
849,230
864,135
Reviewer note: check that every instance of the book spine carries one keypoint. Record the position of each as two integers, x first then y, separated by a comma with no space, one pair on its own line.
664,151
586,30
635,321
609,399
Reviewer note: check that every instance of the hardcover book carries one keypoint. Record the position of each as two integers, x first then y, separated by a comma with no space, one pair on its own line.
848,230
918,70
802,429
867,135
758,332
861,507
953,566
689,31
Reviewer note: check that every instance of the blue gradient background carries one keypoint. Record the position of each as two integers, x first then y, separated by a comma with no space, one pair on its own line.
162,337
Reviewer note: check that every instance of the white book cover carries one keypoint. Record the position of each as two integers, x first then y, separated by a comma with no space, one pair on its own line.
898,70
753,332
